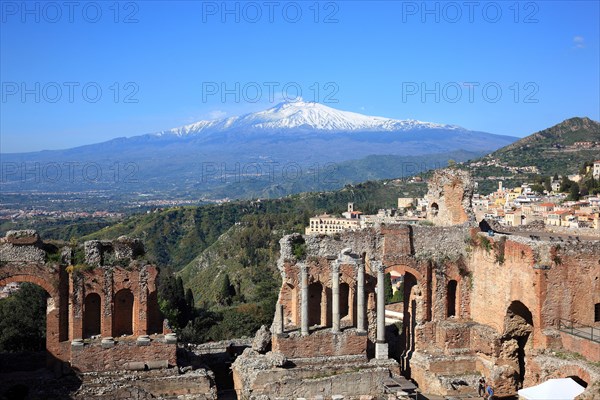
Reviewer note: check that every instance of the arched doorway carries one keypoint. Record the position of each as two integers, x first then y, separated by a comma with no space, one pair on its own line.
55,308
409,322
451,299
91,315
344,300
123,313
518,327
435,209
415,310
155,317
315,292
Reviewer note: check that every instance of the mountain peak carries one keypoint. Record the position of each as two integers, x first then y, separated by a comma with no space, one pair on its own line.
306,116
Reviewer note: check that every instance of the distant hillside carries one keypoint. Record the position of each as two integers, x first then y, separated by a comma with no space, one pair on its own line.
175,236
561,149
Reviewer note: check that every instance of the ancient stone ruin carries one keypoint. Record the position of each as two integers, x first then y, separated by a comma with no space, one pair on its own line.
473,305
516,308
102,315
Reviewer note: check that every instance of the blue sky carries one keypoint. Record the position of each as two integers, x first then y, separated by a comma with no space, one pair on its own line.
503,67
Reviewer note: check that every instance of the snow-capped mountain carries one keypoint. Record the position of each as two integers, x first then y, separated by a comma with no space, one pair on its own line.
305,116
285,149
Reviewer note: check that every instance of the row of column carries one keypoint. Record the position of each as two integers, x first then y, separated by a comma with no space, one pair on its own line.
381,349
335,307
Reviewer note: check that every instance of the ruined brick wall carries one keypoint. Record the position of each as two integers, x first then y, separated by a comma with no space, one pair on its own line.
24,257
94,357
568,289
495,285
439,243
322,344
572,285
579,345
322,251
107,282
495,302
449,197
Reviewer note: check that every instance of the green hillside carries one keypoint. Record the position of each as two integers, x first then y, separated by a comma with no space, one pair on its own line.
226,254
556,150
175,236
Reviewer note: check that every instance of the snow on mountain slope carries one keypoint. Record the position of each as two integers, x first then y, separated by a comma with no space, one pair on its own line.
305,115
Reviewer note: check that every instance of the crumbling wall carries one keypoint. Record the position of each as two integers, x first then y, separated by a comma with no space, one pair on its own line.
130,354
321,343
110,252
449,197
24,257
269,377
21,246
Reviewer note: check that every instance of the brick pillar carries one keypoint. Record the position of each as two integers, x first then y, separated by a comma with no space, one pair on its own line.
335,294
107,304
304,299
76,289
141,325
53,329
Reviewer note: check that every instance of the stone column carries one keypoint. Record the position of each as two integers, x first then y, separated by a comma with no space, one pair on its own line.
381,347
280,324
360,298
335,294
304,300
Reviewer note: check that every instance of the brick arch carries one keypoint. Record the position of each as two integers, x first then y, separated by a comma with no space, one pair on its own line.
123,313
92,314
402,269
41,282
57,320
566,371
536,322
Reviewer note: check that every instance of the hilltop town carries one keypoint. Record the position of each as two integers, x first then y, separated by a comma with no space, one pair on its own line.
549,209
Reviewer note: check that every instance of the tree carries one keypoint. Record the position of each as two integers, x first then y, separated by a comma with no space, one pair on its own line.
574,192
223,296
173,302
198,330
537,188
566,184
387,288
23,320
547,184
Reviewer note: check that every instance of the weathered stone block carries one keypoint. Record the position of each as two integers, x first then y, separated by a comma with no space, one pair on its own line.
23,237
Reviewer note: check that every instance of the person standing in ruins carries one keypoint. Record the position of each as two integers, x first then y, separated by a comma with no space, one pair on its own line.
490,392
481,387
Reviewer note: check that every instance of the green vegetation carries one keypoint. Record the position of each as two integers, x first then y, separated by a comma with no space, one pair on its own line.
387,288
552,151
58,229
198,324
391,296
174,303
226,255
485,243
23,320
299,248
